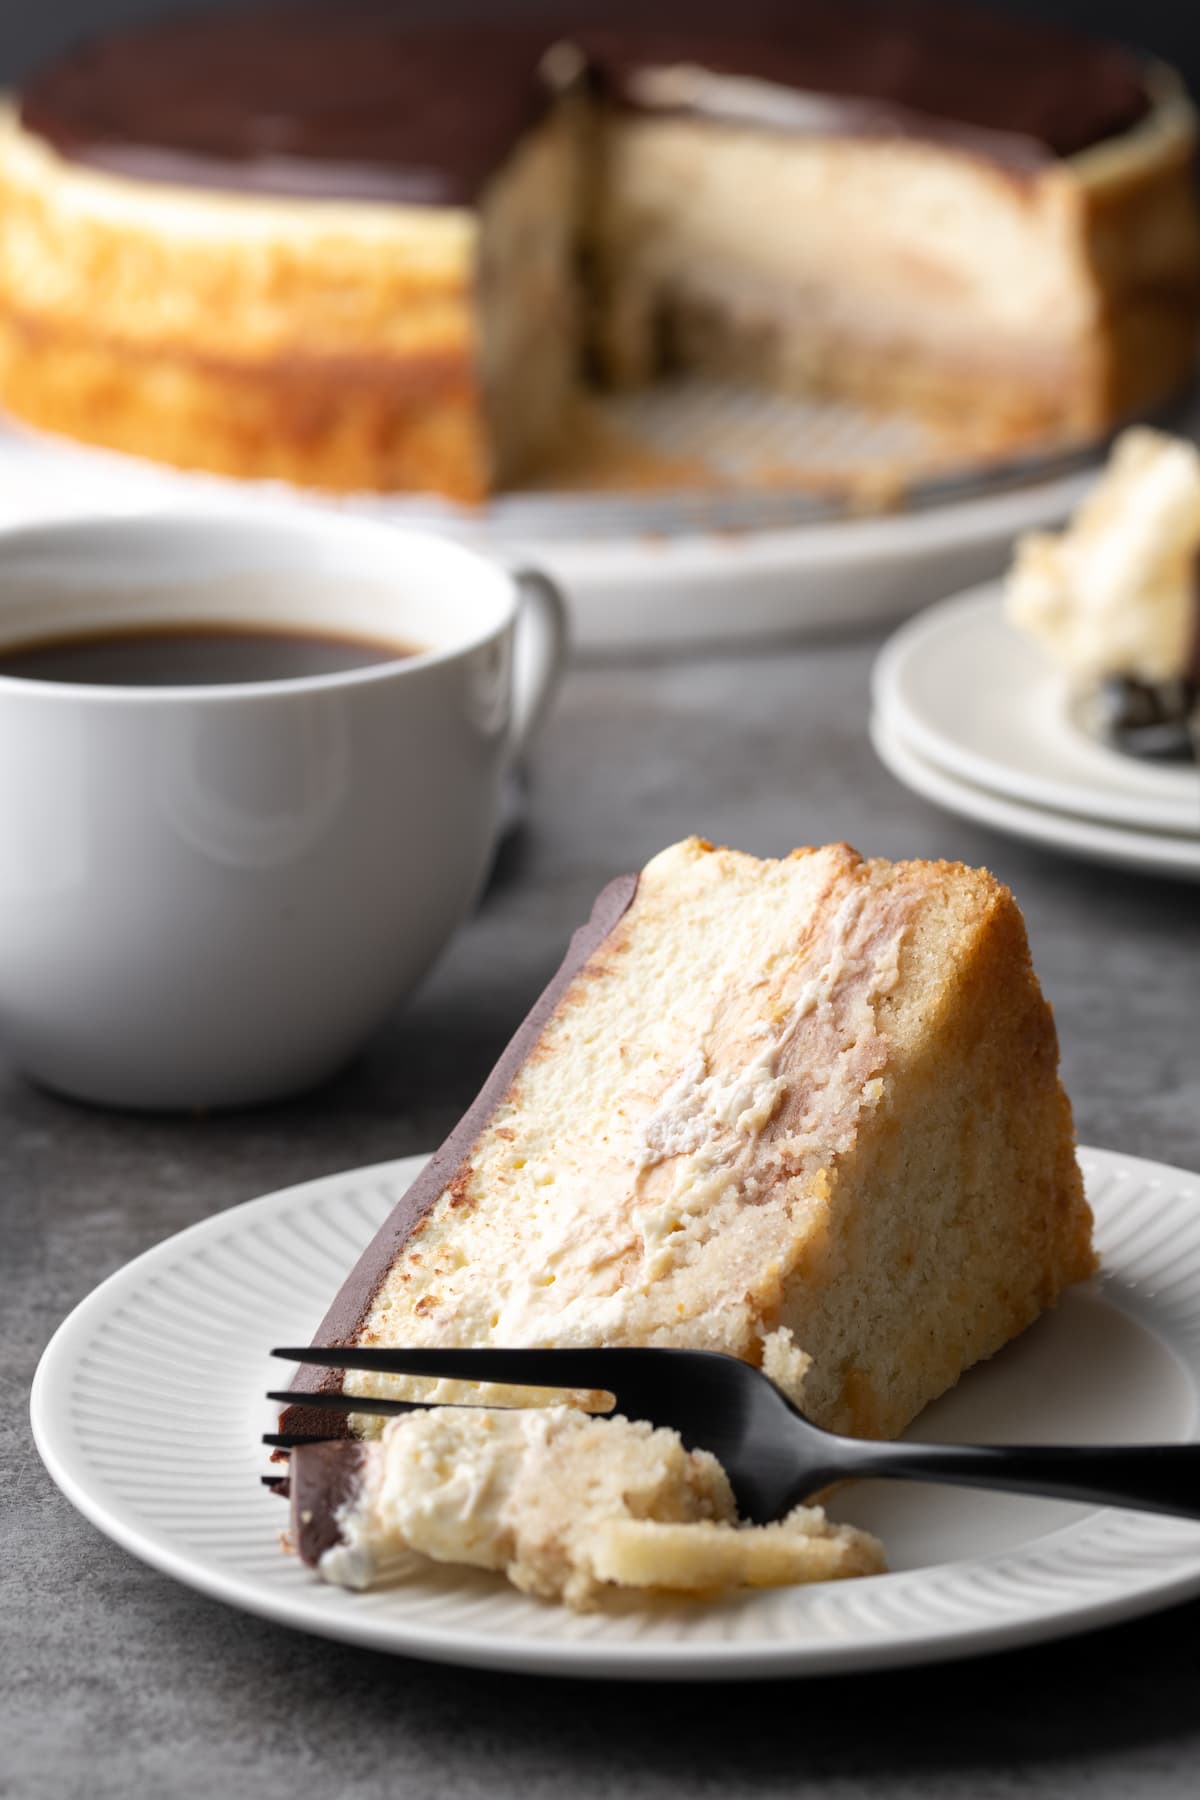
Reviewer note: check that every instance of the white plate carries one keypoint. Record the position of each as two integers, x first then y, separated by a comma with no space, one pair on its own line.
636,576
983,703
1151,852
148,1403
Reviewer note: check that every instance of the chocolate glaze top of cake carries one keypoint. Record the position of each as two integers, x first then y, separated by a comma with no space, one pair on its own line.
339,103
1019,93
356,102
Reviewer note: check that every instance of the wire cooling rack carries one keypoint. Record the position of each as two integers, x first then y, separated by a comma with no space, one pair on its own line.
680,459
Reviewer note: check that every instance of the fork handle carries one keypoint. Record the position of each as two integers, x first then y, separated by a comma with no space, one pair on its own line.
1148,1477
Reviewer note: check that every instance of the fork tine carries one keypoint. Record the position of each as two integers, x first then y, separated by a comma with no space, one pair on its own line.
386,1409
521,1368
714,1401
349,1403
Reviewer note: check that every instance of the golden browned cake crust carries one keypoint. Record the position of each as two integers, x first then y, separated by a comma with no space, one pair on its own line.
339,346
803,1112
316,422
250,337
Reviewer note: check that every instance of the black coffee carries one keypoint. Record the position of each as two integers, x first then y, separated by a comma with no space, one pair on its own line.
196,656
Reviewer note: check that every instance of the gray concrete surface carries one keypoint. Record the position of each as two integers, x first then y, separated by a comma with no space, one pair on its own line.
115,1682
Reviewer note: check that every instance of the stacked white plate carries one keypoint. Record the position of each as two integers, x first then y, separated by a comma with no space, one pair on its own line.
973,716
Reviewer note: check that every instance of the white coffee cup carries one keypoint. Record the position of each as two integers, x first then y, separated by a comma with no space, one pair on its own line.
209,896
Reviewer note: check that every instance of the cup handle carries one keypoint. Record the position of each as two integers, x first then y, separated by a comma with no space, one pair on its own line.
540,654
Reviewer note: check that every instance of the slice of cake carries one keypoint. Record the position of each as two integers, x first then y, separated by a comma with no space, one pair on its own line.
1114,598
805,1112
566,1506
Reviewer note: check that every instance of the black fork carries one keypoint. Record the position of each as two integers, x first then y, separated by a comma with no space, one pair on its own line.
775,1458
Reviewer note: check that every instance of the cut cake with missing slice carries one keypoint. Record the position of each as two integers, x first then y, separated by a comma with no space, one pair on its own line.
903,204
805,1111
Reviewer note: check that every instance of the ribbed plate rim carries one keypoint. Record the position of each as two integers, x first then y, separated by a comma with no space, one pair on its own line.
553,1642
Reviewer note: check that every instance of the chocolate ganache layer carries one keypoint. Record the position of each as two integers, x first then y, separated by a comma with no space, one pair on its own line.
1019,93
353,1300
319,1485
340,103
358,103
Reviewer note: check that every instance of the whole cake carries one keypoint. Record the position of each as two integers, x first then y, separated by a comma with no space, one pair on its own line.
805,1112
330,246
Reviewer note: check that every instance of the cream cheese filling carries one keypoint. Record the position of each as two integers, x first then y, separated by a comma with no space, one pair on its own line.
710,1124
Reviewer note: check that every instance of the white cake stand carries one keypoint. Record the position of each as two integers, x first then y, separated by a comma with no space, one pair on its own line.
652,569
